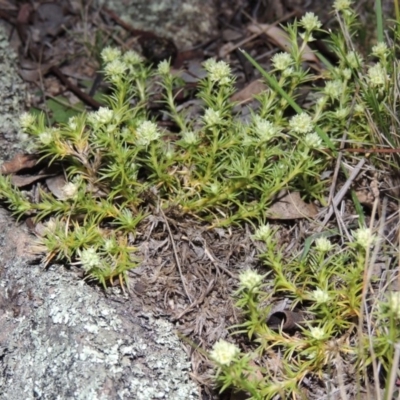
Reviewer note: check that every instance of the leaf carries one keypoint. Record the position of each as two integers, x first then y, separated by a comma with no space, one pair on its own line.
61,113
55,185
279,37
19,162
21,181
291,206
249,91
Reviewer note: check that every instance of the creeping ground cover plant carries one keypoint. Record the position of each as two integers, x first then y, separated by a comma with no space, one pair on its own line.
345,332
117,161
225,166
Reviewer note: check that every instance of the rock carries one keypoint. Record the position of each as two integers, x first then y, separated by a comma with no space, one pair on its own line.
61,336
185,22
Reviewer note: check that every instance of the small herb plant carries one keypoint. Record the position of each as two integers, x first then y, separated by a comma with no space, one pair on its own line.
225,167
221,167
350,329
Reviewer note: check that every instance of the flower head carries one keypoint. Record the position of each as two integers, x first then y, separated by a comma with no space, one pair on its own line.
69,190
102,116
27,120
313,141
377,75
224,352
394,304
320,296
334,89
346,73
354,59
89,258
212,117
310,22
46,137
263,233
72,123
147,132
301,123
164,68
323,245
342,113
380,50
363,237
115,69
341,5
317,332
218,71
264,129
132,58
190,137
282,61
110,54
250,279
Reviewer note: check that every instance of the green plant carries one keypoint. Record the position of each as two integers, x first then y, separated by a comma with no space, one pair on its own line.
329,284
347,322
225,168
118,163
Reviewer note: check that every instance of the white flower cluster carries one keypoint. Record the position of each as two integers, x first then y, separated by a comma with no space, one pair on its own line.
380,50
132,58
301,123
89,258
377,75
364,237
354,59
147,132
27,120
212,117
323,245
118,65
69,190
313,141
110,54
190,137
320,296
334,89
218,71
394,304
310,22
342,5
317,333
282,61
46,137
164,68
115,69
263,233
101,117
250,279
224,353
265,129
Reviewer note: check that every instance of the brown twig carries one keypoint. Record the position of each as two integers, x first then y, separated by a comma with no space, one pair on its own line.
178,263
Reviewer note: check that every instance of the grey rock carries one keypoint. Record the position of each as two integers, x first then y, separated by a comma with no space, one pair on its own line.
63,339
185,22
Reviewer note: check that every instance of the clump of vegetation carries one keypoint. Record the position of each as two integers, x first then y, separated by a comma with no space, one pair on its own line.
117,161
225,168
346,325
330,285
